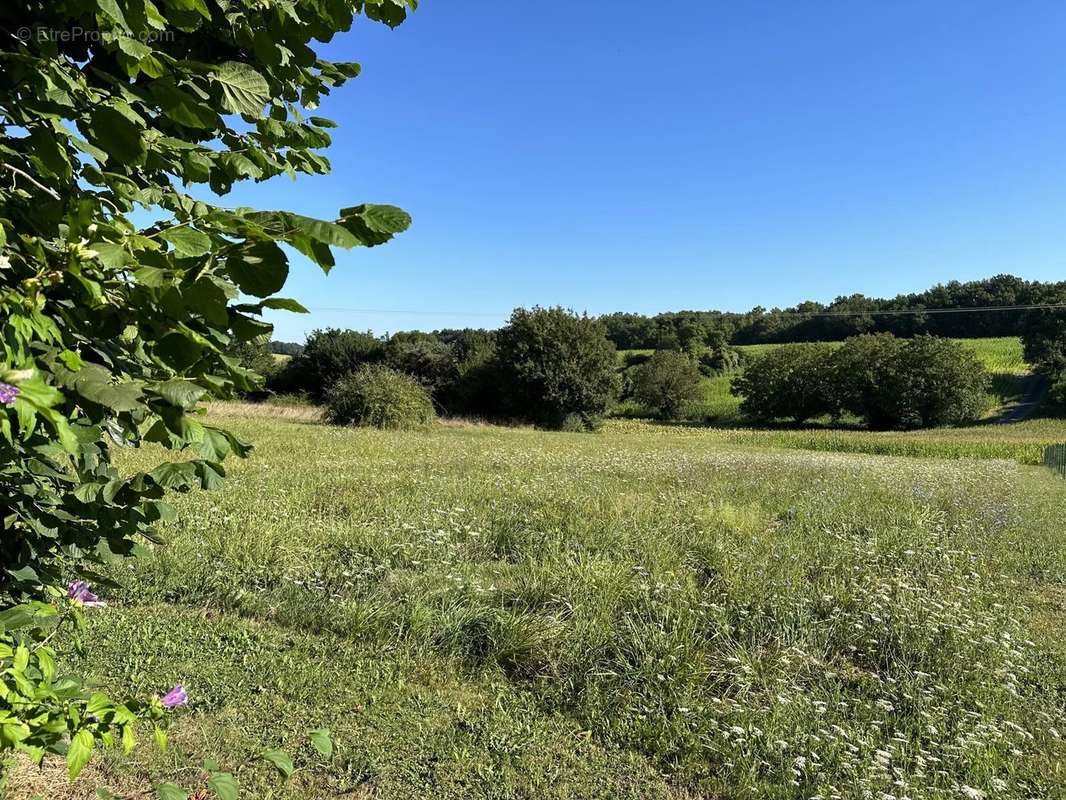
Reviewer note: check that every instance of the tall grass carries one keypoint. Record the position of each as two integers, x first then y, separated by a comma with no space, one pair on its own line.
653,611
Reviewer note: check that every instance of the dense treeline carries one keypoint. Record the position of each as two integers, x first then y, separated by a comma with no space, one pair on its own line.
846,316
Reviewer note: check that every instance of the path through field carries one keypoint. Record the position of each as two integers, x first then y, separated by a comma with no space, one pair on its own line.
1036,389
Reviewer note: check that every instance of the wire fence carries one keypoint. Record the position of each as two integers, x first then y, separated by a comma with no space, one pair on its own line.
1055,457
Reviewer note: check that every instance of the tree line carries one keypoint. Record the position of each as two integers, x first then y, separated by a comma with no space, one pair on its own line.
558,369
847,316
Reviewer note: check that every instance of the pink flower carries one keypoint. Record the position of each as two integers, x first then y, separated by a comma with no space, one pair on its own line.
175,697
79,593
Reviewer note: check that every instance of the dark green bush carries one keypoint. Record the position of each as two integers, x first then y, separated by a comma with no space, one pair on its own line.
379,397
916,383
426,359
327,357
720,360
667,383
790,382
860,383
554,363
933,382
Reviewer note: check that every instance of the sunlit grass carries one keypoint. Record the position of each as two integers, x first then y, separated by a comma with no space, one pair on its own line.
652,611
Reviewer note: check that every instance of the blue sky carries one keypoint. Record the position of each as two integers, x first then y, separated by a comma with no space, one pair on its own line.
605,157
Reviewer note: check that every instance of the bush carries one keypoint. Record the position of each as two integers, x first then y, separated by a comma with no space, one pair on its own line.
720,360
790,382
328,356
554,363
1058,391
667,383
429,361
379,397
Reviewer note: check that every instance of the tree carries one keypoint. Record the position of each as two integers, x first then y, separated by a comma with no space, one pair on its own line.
667,383
933,382
789,382
1044,339
426,359
328,356
111,332
554,363
860,370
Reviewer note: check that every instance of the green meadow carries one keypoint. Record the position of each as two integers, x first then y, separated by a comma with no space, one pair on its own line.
649,612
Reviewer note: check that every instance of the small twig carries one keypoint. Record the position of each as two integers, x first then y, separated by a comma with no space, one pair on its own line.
51,192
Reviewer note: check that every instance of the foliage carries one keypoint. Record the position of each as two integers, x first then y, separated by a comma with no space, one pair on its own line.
428,360
861,378
677,600
1044,340
554,363
888,383
111,333
932,382
255,356
286,348
787,383
667,383
328,356
847,316
720,360
379,397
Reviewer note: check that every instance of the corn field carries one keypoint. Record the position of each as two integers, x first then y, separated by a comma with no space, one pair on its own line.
1055,457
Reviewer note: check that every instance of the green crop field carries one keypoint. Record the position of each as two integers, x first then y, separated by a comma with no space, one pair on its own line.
1002,357
649,612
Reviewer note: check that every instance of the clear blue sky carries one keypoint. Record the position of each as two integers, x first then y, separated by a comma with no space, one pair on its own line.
604,156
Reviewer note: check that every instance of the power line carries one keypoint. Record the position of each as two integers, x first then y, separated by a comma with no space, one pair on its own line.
883,313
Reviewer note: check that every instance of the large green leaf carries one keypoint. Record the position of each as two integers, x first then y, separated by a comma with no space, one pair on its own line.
187,241
81,750
258,268
115,134
244,91
280,760
223,785
93,382
181,393
170,791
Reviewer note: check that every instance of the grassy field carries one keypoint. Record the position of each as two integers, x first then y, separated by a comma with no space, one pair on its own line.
651,612
1002,357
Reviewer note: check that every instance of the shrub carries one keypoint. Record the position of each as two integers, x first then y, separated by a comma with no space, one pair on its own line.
789,382
933,382
720,360
429,361
379,397
667,383
554,363
328,356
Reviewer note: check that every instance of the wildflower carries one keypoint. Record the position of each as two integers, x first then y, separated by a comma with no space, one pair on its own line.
972,794
175,697
8,393
79,593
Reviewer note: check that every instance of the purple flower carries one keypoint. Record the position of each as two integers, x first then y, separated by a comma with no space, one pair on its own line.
79,593
175,697
8,393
